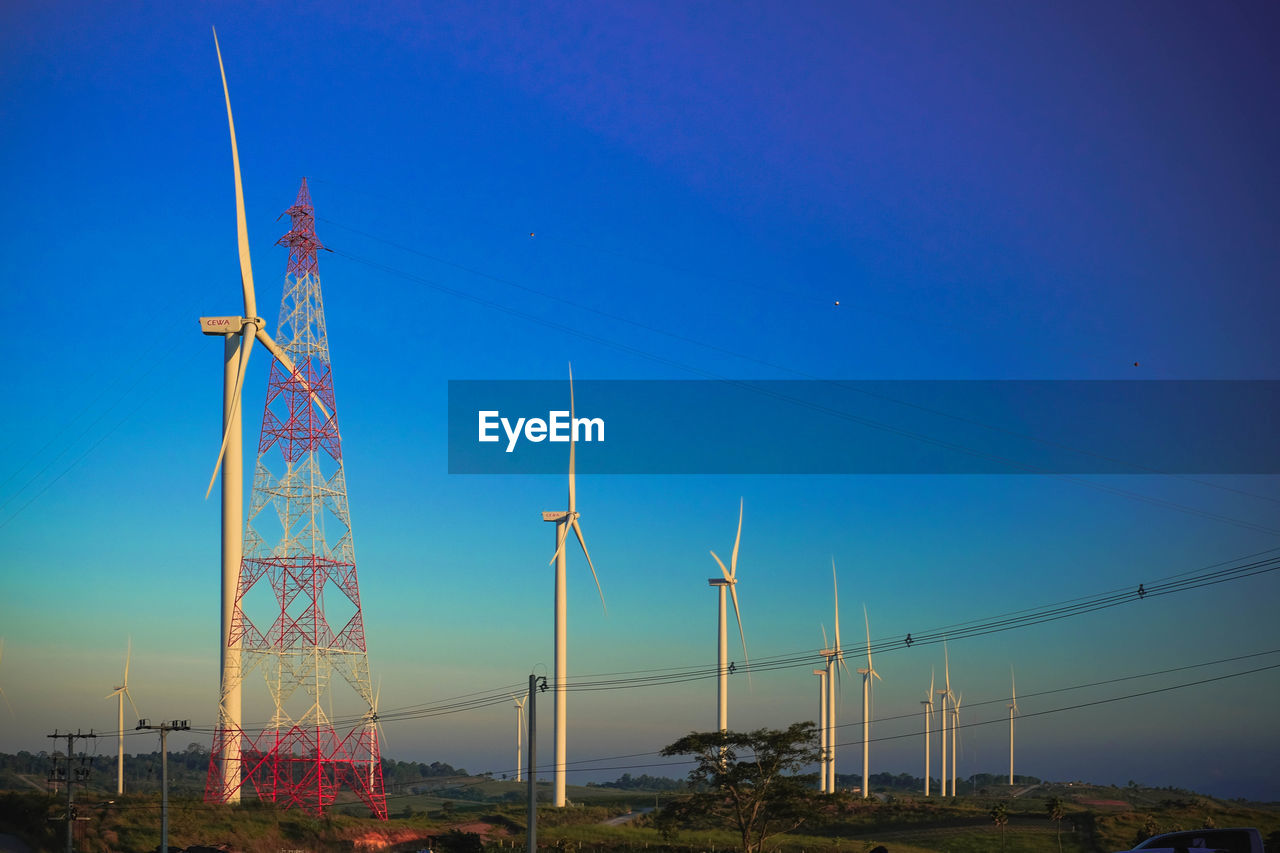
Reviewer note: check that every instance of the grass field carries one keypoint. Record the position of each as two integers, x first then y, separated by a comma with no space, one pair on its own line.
1098,820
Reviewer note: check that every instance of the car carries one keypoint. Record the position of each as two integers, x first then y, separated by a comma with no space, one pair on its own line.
1234,840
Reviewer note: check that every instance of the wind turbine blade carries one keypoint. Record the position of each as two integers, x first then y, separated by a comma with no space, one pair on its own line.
867,621
733,559
129,696
946,657
733,590
583,542
379,733
287,363
839,649
561,535
242,230
723,570
246,344
572,451
835,588
825,643
127,655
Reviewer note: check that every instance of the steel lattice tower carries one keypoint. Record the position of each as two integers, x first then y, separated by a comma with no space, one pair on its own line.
297,620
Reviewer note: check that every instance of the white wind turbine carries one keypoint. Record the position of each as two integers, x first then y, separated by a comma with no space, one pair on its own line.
928,717
376,735
943,695
728,581
835,660
955,738
120,693
1013,712
519,731
867,674
2,696
822,723
563,521
239,334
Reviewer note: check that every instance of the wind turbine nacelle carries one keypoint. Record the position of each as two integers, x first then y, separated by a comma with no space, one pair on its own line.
555,515
221,325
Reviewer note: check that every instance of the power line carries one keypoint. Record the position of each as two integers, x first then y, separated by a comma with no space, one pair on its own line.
578,765
652,677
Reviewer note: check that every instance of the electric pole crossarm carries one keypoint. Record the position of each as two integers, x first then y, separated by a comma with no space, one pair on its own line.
81,776
164,729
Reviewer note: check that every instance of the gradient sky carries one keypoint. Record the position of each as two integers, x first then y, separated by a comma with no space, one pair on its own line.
990,191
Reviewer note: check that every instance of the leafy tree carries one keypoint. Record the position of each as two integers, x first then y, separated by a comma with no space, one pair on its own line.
748,781
457,841
1000,817
1149,828
1056,812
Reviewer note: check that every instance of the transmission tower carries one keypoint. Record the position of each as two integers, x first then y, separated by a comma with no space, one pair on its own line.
297,620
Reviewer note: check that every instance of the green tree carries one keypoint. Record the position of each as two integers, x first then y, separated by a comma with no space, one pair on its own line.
747,781
1056,812
1149,828
1000,817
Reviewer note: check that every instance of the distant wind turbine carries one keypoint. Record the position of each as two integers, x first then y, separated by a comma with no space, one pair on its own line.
120,693
1013,712
2,696
867,674
955,738
928,716
835,661
563,521
728,581
943,695
823,745
519,731
374,722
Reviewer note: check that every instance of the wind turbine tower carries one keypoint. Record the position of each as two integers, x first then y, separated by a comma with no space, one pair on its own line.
296,615
943,695
1013,712
823,745
729,582
955,738
2,696
519,732
564,521
835,660
867,674
928,716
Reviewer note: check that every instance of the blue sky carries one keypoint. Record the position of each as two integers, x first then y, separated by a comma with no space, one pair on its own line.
989,191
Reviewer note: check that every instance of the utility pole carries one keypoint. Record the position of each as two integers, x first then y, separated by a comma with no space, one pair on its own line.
536,683
80,776
164,728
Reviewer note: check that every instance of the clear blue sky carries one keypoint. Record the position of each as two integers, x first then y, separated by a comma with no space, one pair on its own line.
990,191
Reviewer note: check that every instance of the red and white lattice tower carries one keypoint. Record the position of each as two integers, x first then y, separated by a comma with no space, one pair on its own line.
297,621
